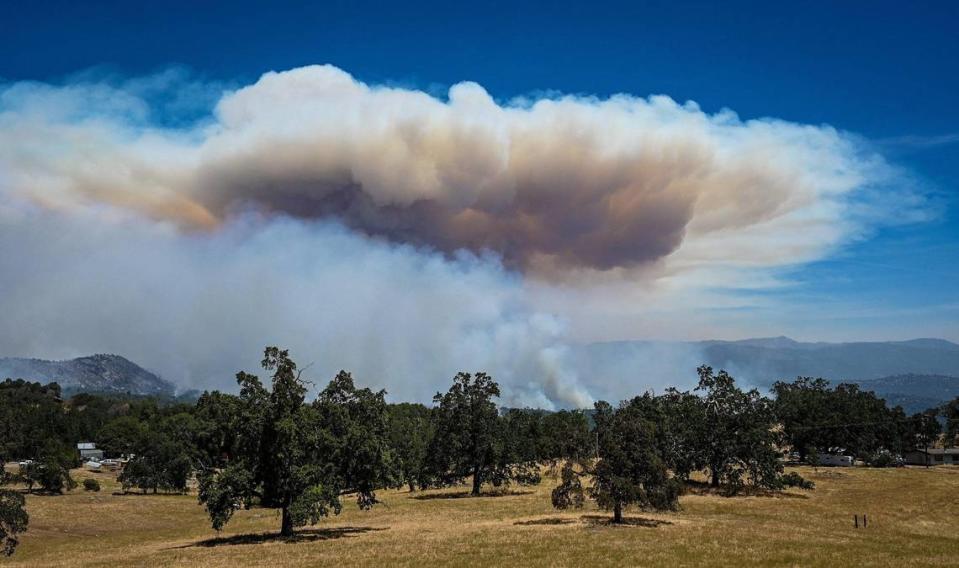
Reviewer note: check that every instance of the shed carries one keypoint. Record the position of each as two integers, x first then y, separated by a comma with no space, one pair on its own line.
89,451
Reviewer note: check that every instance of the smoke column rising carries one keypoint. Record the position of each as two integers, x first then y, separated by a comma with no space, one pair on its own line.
386,231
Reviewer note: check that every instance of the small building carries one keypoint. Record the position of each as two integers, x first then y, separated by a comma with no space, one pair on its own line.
933,456
88,451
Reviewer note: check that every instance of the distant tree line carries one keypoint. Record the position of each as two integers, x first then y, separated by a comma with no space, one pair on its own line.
268,446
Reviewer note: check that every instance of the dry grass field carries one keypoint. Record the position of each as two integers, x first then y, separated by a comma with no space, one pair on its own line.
913,520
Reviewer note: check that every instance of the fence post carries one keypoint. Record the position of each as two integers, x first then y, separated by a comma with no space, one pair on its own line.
855,519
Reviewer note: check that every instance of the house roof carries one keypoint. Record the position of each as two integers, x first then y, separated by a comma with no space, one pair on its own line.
86,446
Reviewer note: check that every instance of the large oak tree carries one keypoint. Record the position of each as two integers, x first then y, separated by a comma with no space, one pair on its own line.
471,440
300,458
630,468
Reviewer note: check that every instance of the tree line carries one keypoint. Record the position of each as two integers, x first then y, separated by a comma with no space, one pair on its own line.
268,446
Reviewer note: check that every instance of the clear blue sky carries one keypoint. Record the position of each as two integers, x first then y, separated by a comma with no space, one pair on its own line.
886,70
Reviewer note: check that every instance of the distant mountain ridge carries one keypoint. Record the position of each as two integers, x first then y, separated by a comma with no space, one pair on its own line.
102,373
772,359
916,371
767,360
914,393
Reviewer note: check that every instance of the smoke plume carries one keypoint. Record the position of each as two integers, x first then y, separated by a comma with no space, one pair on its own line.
386,230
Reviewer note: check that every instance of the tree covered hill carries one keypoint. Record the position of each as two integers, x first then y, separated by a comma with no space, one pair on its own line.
914,392
768,360
95,373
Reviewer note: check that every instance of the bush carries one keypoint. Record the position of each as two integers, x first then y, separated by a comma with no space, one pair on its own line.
884,459
793,479
91,484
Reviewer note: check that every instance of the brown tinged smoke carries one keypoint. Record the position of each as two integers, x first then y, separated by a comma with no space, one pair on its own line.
550,185
188,247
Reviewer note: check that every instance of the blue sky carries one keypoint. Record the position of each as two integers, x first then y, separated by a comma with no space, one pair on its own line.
888,71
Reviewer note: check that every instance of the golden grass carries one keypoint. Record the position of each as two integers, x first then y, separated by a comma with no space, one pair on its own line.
913,519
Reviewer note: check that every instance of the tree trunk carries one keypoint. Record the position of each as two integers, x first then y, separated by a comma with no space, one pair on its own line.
286,528
618,513
412,487
714,482
477,481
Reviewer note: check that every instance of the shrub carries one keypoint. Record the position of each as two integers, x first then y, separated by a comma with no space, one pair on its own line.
883,459
91,484
793,479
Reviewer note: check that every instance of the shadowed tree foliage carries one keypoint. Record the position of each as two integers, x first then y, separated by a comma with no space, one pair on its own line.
13,520
162,464
738,440
50,473
630,469
517,448
300,458
123,435
216,415
565,435
31,414
683,418
471,440
411,432
13,513
950,413
925,429
801,407
817,418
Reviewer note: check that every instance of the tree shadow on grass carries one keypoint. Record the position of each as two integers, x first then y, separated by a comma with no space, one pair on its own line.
468,495
607,520
546,521
700,488
303,535
141,494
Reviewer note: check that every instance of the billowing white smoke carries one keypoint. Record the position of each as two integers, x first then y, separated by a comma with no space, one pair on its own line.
554,184
387,231
197,308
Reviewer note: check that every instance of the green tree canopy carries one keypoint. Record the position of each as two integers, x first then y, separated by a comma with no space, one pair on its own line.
163,464
13,520
411,432
630,469
817,418
13,514
471,440
950,412
737,434
300,458
50,472
565,435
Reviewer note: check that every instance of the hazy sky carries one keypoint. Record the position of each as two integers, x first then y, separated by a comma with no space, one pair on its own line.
409,190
